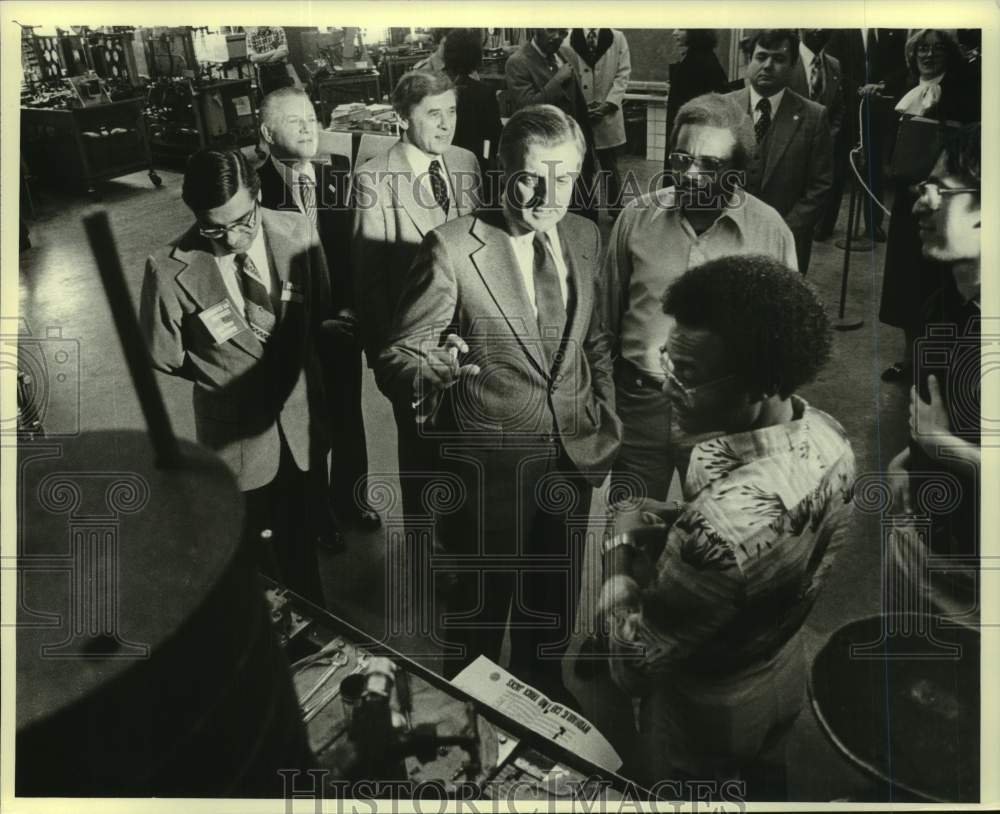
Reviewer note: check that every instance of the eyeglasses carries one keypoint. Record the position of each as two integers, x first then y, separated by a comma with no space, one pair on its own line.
682,162
927,50
687,391
244,224
933,192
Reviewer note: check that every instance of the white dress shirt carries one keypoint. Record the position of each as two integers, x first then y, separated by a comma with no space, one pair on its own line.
524,251
420,163
290,174
756,97
227,269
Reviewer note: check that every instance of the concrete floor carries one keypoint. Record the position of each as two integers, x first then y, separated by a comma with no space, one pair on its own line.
59,289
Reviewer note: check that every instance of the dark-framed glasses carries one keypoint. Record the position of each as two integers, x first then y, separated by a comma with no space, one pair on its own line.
925,50
244,224
934,193
682,162
688,392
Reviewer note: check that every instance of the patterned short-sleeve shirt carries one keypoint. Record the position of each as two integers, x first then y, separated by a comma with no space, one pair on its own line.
264,38
764,514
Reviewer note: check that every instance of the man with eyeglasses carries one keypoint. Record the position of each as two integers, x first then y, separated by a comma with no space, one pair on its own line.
235,306
701,213
945,401
792,165
704,606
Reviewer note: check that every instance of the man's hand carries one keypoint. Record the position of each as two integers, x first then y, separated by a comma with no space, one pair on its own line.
872,88
898,475
929,424
599,110
344,324
440,368
618,603
650,512
564,74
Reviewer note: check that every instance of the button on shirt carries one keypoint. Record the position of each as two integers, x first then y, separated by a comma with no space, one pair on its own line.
230,274
290,174
653,244
420,163
524,251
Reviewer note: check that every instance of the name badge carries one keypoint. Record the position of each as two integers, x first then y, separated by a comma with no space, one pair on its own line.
220,320
290,292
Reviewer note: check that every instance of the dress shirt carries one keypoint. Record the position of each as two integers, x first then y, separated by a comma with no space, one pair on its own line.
653,244
807,56
925,96
290,174
524,251
775,103
420,163
230,274
545,56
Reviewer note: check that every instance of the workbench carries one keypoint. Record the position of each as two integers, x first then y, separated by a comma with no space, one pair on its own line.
82,146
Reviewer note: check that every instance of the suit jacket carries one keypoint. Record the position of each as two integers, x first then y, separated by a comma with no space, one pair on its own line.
244,389
465,279
793,169
603,78
832,96
478,120
389,223
333,215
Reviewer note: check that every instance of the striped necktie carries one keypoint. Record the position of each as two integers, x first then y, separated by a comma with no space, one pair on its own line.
307,195
548,299
764,122
816,79
256,301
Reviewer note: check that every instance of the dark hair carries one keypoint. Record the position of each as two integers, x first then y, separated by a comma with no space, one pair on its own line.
773,326
773,38
212,177
953,59
715,110
463,51
415,86
963,154
537,124
701,39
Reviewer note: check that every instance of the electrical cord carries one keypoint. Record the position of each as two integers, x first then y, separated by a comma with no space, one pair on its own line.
859,150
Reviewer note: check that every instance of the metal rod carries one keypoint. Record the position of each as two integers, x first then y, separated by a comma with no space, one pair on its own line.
161,434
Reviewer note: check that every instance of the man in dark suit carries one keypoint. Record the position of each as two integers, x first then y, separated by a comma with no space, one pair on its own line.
817,76
874,68
541,72
421,182
498,341
792,169
235,306
291,181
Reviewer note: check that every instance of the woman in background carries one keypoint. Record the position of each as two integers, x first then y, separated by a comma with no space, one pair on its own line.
943,88
697,72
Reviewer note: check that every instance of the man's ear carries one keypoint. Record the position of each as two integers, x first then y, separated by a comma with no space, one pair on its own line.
266,134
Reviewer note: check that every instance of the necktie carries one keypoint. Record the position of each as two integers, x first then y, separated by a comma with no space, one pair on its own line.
764,122
592,39
815,79
257,303
438,186
550,60
548,299
307,195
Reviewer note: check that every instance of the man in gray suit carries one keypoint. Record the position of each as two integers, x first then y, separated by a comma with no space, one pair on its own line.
399,196
792,169
235,305
498,340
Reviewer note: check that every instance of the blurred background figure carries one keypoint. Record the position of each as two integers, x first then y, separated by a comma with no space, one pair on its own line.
601,59
698,71
940,88
267,48
434,62
478,125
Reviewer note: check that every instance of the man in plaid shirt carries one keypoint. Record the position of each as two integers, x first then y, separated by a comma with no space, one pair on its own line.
268,50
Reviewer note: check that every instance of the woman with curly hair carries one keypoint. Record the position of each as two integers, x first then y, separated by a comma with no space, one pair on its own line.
943,88
705,599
